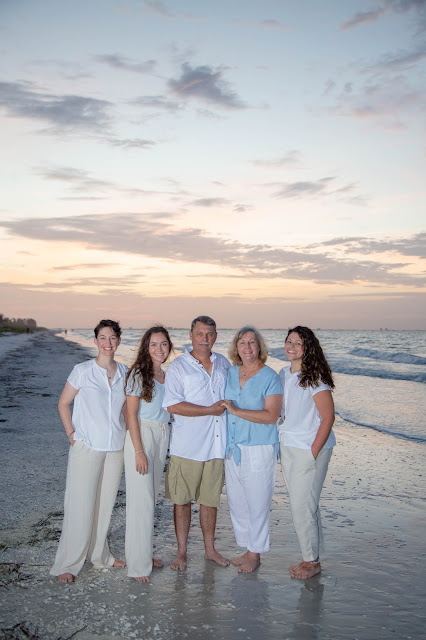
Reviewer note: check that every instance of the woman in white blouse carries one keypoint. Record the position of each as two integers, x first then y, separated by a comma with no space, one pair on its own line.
306,440
145,450
96,432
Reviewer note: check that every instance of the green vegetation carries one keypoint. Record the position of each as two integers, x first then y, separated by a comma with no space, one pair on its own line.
17,325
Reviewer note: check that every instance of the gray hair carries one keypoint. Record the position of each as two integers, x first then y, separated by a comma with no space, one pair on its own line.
204,320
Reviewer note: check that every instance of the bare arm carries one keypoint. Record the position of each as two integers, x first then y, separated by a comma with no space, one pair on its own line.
268,415
67,396
195,410
325,405
141,461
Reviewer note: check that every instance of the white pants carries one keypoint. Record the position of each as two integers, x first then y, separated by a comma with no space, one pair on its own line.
249,487
141,495
93,478
304,477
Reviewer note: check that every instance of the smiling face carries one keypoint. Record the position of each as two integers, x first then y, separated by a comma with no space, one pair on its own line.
158,348
248,348
107,341
294,350
203,337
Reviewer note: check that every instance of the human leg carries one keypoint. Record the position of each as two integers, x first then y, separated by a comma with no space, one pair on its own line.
83,472
258,468
139,508
182,519
208,496
304,477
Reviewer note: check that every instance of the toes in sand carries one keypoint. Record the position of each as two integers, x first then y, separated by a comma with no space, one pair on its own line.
66,578
218,558
305,570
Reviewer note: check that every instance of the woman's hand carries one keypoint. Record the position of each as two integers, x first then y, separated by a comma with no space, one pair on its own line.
230,407
141,462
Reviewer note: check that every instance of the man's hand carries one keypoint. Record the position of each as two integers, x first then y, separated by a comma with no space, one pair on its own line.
217,409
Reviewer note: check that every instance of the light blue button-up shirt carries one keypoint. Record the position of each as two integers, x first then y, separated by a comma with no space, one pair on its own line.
252,396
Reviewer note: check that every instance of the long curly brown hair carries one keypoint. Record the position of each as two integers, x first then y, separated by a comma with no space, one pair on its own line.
315,367
142,368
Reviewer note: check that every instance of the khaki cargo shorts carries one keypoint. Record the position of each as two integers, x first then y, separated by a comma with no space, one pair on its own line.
187,480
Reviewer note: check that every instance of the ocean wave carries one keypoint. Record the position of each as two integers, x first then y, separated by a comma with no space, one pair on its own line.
388,430
352,369
400,357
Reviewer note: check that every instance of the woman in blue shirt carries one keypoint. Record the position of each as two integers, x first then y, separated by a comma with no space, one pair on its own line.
145,449
253,400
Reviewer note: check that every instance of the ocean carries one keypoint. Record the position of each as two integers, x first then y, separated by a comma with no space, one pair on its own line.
380,376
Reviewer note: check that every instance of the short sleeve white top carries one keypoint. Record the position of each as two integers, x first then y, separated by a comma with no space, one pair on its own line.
148,410
299,412
203,437
96,416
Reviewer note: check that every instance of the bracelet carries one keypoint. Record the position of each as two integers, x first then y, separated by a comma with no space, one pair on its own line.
139,451
70,434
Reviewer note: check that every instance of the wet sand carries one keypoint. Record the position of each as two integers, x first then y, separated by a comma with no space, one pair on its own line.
372,584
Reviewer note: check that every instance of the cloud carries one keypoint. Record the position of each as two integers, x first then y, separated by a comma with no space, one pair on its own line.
272,24
210,202
117,61
61,112
206,84
85,185
412,246
155,236
156,102
293,156
323,187
388,6
131,143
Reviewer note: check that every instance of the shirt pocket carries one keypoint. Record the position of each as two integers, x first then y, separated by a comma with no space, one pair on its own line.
195,387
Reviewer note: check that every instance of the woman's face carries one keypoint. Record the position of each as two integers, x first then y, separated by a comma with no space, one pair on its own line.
158,347
294,348
247,347
107,341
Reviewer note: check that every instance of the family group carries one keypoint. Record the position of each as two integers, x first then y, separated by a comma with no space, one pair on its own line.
219,422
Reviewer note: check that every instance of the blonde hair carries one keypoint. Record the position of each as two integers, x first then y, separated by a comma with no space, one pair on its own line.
233,348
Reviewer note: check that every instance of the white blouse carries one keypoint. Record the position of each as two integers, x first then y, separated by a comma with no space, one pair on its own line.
96,416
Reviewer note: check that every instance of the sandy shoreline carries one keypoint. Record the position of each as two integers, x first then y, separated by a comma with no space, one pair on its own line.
372,585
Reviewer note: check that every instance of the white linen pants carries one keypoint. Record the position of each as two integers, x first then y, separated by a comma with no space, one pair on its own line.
93,478
249,487
304,477
141,495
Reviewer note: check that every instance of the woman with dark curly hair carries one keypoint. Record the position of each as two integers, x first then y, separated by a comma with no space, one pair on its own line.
145,449
306,440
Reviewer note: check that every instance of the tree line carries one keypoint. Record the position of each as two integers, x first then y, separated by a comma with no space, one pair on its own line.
17,324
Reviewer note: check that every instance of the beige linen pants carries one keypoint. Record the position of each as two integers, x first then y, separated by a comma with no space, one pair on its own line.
93,478
141,495
304,477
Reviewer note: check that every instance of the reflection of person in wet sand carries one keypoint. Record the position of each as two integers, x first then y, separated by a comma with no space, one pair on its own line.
253,400
195,384
96,433
306,440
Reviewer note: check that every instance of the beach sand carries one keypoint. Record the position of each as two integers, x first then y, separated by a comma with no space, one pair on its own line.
373,581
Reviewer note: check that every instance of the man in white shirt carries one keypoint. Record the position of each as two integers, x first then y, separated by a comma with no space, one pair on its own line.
195,385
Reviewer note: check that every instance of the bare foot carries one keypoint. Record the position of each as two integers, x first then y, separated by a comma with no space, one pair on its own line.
251,562
119,563
157,563
305,570
216,557
179,563
66,577
239,559
142,579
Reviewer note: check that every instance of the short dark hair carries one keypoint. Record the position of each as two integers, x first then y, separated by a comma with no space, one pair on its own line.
204,320
112,324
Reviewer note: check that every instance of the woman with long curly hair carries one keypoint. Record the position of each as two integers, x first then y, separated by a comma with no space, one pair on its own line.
306,440
145,449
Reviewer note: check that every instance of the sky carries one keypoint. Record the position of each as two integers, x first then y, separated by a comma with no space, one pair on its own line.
258,161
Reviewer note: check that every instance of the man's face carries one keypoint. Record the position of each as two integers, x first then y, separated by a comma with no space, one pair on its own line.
203,337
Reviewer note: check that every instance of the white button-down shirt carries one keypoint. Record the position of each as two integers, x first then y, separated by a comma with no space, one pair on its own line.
202,437
96,416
